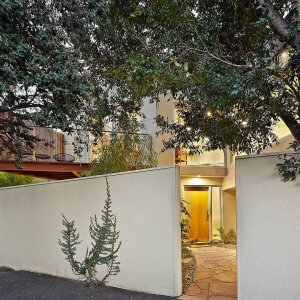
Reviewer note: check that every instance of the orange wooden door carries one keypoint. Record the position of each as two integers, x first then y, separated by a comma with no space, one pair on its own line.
197,197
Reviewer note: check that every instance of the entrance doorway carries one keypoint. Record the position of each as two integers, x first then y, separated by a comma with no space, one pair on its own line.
198,199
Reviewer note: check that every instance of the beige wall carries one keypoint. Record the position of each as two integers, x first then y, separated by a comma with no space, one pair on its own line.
283,145
268,226
229,180
229,210
165,108
216,212
146,204
281,130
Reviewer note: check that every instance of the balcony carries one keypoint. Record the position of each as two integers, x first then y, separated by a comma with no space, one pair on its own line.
61,156
53,157
208,164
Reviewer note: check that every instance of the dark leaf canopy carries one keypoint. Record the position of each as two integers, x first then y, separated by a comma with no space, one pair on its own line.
216,59
83,62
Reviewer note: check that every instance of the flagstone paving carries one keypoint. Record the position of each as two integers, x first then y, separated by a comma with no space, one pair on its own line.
215,277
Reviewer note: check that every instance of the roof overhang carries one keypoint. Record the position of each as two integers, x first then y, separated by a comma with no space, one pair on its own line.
205,171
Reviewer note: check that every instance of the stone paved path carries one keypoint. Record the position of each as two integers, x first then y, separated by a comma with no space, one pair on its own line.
215,277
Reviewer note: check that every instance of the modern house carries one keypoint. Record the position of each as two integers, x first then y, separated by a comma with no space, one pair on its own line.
207,180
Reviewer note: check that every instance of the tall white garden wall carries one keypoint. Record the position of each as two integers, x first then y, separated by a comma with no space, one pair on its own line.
147,207
268,230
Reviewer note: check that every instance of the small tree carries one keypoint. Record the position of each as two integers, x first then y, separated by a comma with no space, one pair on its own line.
123,152
104,248
226,238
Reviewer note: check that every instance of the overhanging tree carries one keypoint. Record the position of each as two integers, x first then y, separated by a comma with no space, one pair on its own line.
42,81
215,58
44,78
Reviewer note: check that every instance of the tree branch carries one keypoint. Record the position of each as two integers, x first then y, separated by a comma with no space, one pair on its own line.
214,56
291,123
276,19
296,5
224,61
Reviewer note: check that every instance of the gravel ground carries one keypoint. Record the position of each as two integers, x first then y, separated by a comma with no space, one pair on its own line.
22,285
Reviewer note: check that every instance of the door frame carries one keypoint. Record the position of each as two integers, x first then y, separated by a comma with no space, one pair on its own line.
210,237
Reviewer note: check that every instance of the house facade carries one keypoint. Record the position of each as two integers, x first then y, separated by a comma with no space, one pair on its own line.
207,181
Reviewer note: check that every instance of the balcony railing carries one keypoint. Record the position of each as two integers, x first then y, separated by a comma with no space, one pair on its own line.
207,158
141,140
82,147
52,146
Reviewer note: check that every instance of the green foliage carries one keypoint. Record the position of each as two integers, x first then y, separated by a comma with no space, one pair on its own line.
211,56
216,58
8,179
103,250
188,267
42,81
185,227
45,78
227,238
123,152
289,164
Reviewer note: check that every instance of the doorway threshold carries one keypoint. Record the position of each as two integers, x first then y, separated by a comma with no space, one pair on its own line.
201,244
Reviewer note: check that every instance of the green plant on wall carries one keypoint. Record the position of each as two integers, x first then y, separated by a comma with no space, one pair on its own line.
104,247
123,152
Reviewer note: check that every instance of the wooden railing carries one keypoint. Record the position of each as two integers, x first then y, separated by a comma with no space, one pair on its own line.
56,146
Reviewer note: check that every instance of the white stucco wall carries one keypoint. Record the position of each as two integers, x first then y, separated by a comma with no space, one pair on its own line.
147,207
268,228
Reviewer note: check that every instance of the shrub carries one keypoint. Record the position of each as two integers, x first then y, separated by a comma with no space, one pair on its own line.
123,152
8,179
227,238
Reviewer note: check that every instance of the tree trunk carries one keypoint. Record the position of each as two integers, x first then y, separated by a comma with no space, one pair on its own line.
292,124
